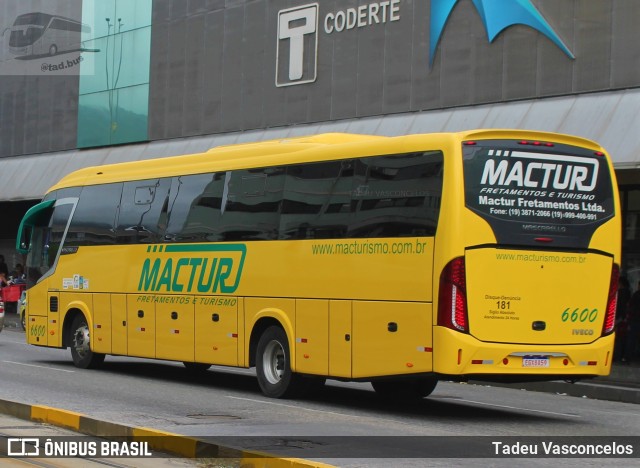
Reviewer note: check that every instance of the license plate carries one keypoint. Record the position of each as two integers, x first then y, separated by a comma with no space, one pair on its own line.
536,361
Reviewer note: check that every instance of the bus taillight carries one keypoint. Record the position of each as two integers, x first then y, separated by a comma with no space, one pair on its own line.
452,309
536,143
610,317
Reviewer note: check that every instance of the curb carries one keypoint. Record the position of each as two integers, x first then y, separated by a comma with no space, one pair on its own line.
160,441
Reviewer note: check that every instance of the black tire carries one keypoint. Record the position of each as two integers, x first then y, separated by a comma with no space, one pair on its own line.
196,367
273,366
80,343
23,320
53,50
402,390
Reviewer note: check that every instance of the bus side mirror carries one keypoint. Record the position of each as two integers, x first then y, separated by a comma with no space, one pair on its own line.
24,240
35,216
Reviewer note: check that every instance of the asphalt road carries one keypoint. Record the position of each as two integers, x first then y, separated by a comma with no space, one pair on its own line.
227,404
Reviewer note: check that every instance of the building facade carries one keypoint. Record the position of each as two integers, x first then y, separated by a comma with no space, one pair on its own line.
89,82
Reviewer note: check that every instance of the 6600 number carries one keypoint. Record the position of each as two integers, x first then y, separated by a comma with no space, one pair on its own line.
579,315
37,330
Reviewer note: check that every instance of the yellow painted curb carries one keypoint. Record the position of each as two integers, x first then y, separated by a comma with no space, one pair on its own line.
190,448
160,441
166,441
56,416
269,461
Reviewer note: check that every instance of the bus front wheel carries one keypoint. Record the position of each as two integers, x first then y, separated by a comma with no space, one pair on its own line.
273,366
401,390
53,50
81,352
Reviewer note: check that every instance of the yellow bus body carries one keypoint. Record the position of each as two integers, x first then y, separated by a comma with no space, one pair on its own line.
351,308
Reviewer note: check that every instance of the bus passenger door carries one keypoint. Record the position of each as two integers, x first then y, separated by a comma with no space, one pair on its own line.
216,330
340,338
174,328
47,232
141,326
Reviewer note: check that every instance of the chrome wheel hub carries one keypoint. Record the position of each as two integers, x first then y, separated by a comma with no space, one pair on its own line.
273,361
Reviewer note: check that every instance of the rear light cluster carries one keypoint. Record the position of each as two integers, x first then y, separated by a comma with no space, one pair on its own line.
536,143
530,143
610,316
452,307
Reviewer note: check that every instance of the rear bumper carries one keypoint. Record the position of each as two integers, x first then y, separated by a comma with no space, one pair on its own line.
458,354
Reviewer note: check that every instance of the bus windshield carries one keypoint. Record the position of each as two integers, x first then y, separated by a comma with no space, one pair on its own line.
532,192
28,28
25,36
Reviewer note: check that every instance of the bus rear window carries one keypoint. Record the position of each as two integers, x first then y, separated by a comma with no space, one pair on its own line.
532,195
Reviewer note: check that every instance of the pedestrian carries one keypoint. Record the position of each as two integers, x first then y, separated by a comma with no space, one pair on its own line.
3,266
18,273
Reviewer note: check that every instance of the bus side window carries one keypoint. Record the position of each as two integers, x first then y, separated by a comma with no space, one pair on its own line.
94,217
143,211
397,196
255,191
194,208
317,200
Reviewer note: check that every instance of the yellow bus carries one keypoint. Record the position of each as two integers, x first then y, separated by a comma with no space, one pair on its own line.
486,254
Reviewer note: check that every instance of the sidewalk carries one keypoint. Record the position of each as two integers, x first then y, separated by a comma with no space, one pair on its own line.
623,384
189,450
16,430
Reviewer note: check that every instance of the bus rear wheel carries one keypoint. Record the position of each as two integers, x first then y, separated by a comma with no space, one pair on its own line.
81,352
401,390
273,366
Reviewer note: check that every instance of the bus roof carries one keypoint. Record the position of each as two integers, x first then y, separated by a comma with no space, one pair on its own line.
229,157
40,19
327,146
